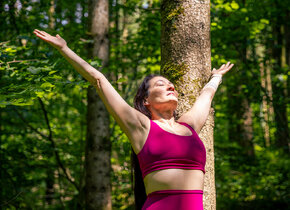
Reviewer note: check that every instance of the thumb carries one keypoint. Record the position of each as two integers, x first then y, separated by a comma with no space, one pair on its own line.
58,36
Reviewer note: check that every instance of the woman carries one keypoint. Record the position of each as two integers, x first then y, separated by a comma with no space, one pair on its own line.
170,153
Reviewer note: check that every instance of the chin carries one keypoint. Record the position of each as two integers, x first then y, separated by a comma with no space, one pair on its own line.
174,104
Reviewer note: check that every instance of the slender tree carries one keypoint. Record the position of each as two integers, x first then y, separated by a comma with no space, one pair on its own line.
49,181
186,61
280,53
98,146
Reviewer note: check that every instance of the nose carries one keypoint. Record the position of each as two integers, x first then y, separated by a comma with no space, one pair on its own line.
171,87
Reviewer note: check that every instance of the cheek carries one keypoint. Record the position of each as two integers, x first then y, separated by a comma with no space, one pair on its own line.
155,94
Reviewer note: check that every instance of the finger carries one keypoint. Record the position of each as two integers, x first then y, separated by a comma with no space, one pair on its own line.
40,32
228,63
231,66
36,30
222,66
47,34
41,37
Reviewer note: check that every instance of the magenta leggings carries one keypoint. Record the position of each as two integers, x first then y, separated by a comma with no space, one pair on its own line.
174,200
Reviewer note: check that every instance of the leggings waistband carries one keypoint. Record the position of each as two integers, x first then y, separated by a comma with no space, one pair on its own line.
174,192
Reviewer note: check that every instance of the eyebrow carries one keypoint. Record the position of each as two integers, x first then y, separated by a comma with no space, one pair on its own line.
163,81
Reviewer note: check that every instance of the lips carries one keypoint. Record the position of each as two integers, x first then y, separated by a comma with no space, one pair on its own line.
170,94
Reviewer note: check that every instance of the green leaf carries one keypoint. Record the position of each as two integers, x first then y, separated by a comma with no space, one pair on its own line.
122,80
47,85
10,50
234,5
265,21
33,70
39,94
52,72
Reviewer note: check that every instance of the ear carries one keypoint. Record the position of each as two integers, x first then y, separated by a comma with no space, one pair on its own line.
145,102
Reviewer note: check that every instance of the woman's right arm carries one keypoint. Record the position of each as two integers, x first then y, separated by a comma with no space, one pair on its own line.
133,123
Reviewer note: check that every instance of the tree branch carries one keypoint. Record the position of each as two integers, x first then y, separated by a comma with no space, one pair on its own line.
28,125
57,156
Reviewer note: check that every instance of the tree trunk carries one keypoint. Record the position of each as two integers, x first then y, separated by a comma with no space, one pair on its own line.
98,145
280,89
265,106
267,98
49,181
51,14
246,140
186,61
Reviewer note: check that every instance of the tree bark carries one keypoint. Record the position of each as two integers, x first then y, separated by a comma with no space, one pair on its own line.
267,96
279,84
98,145
51,12
49,181
265,106
186,61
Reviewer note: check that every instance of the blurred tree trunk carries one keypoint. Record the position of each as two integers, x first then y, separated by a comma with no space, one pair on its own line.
246,138
279,83
239,104
247,128
265,106
267,96
98,145
51,15
240,121
186,61
49,181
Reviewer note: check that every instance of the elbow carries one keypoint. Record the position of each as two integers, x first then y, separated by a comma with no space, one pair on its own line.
96,79
96,82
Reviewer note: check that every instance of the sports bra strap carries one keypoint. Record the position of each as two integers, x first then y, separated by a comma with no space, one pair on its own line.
191,128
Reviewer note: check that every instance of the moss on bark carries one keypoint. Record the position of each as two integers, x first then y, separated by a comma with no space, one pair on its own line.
173,71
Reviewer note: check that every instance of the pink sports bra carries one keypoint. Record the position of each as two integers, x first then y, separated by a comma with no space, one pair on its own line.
164,150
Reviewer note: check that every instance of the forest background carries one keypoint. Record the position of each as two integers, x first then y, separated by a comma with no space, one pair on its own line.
43,100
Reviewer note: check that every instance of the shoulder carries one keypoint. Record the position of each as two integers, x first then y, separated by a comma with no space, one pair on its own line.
139,135
187,122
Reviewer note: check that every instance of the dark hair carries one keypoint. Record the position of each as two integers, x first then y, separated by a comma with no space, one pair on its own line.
142,94
136,175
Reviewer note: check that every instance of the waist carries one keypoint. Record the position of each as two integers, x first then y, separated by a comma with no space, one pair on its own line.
174,179
174,192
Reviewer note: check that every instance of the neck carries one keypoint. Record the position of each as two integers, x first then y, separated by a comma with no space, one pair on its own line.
164,116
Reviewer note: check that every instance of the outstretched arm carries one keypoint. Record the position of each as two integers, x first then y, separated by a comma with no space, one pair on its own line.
133,122
85,69
198,114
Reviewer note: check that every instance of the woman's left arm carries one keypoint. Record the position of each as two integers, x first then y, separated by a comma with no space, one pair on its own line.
198,114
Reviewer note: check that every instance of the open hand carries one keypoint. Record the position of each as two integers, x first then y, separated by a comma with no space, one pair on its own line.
55,41
223,69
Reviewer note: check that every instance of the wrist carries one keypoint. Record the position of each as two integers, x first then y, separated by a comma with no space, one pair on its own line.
63,48
216,78
215,81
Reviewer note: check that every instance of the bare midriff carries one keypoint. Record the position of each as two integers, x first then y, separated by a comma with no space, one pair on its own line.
174,179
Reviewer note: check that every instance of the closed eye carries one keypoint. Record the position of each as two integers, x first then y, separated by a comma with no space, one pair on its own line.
160,83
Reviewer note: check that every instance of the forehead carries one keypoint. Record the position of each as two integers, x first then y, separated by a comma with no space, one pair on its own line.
157,78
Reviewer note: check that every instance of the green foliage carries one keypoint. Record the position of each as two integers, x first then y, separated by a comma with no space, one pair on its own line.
24,79
243,181
35,83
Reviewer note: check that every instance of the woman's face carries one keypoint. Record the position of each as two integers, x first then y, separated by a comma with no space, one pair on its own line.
161,92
